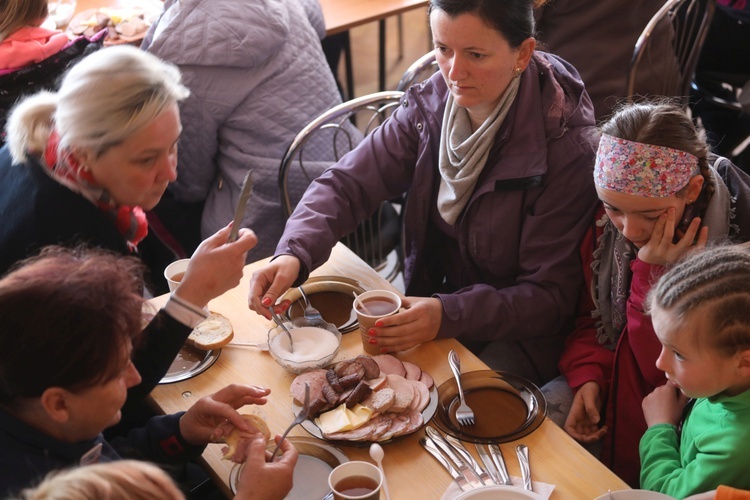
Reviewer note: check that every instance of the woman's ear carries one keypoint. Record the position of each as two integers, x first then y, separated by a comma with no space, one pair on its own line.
694,188
525,51
82,157
743,366
53,401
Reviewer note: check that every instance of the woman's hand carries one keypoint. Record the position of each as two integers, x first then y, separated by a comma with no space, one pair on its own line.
270,283
664,405
199,423
661,248
264,480
215,267
585,413
418,323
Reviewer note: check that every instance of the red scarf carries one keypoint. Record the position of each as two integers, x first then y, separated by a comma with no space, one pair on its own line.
130,221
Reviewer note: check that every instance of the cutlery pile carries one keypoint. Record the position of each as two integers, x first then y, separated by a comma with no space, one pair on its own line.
466,472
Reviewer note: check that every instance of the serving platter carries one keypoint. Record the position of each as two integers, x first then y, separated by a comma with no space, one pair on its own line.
188,363
506,407
316,461
332,296
310,426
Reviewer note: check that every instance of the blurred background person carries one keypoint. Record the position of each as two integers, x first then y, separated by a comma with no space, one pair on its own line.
33,57
598,38
257,75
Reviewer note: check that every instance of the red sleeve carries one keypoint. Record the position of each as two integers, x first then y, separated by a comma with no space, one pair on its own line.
584,359
643,341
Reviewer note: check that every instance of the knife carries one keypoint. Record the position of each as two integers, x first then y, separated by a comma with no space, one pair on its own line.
432,448
486,456
499,461
469,460
239,212
463,469
522,452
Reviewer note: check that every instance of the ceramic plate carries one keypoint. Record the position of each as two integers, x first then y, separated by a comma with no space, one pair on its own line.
332,296
634,495
314,430
506,407
498,491
315,463
189,363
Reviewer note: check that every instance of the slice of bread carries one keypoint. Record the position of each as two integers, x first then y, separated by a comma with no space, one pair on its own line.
238,441
213,333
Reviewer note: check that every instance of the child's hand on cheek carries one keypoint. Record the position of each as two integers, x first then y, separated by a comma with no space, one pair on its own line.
661,248
664,405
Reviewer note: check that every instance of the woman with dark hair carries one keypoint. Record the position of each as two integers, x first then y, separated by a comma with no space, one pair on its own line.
663,193
495,152
69,322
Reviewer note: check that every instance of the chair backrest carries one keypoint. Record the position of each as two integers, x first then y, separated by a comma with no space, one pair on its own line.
420,70
378,236
668,49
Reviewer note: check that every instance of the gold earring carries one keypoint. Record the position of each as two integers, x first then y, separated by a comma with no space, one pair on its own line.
517,72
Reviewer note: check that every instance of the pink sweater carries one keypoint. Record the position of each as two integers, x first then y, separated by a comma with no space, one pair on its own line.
30,45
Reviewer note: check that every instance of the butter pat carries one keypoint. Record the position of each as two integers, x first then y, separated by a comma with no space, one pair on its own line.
342,419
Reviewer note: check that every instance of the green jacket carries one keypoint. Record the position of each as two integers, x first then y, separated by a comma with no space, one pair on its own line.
712,450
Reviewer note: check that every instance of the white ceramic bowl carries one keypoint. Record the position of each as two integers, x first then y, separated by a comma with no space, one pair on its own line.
496,492
307,353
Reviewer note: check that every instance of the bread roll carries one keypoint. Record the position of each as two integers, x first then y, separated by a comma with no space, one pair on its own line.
213,333
237,441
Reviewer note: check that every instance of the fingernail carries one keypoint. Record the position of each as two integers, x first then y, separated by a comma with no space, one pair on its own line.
266,301
372,332
383,350
373,341
379,323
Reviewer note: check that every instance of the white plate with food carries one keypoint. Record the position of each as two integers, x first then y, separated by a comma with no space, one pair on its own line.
316,461
366,399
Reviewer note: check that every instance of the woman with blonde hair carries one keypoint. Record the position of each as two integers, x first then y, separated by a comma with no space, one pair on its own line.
92,158
83,164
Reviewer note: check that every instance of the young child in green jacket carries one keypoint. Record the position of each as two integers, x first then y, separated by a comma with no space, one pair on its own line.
701,314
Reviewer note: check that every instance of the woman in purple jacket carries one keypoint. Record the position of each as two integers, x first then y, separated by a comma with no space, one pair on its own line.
496,154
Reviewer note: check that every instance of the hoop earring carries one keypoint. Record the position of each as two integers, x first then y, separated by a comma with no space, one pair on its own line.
517,72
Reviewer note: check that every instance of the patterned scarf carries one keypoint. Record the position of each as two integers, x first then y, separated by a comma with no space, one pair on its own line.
130,221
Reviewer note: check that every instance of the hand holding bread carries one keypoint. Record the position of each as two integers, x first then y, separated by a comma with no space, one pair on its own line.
199,424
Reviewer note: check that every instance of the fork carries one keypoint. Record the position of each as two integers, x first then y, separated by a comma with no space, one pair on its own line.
310,311
301,416
464,414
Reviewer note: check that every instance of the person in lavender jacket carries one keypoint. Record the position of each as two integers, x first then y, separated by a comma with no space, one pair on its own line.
496,153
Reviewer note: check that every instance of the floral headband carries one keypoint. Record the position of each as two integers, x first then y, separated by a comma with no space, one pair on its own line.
642,169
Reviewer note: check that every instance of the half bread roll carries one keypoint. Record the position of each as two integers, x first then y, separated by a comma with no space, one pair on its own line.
213,333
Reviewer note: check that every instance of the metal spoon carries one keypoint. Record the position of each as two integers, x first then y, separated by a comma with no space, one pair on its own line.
283,327
377,454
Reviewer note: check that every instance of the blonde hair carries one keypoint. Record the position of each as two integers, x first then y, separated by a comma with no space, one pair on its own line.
104,99
15,14
121,480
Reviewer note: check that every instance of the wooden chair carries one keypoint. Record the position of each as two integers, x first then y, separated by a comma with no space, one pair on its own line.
379,236
668,49
420,70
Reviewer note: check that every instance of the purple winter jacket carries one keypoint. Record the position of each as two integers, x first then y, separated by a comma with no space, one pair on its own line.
518,236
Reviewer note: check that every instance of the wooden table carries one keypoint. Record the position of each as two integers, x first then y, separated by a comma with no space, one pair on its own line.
343,15
412,473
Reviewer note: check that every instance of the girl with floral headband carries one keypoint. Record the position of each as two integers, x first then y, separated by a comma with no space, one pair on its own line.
662,194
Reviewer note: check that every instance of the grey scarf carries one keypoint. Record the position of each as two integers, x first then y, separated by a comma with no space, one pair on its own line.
463,154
